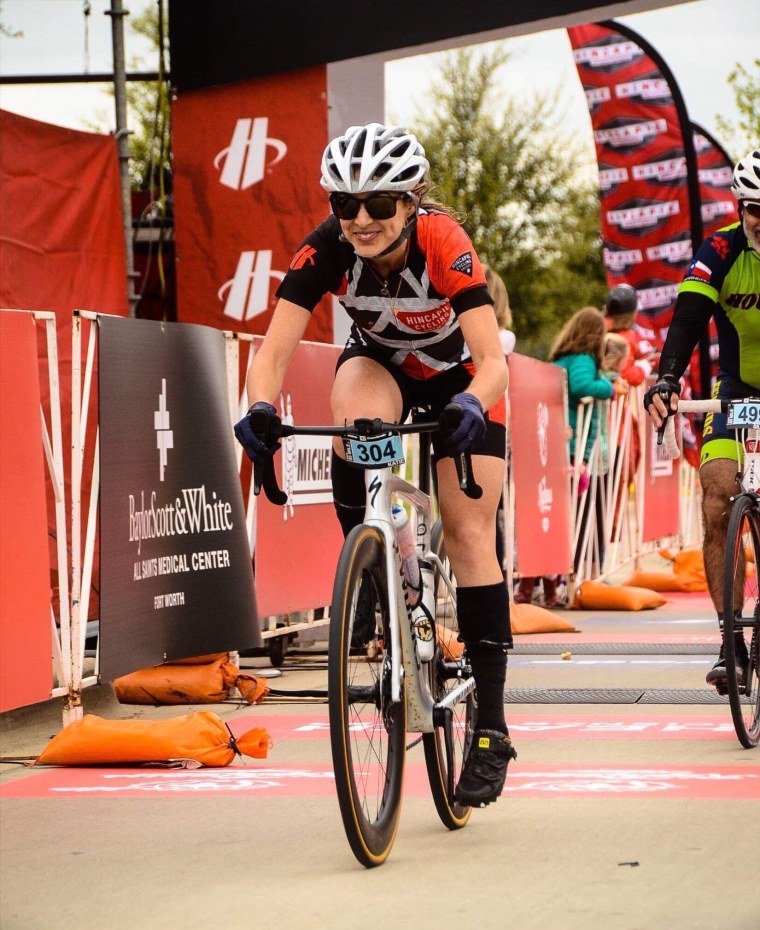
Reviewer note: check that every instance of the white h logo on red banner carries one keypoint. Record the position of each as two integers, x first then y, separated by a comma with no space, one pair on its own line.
245,158
248,292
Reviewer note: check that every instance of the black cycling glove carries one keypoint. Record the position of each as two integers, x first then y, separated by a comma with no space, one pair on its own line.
257,432
664,388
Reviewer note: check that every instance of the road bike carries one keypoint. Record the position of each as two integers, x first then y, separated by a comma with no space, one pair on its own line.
394,666
741,596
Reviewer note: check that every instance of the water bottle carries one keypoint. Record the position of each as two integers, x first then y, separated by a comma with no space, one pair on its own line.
423,616
408,549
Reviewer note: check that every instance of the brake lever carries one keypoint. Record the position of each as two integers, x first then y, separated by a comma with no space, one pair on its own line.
263,472
463,460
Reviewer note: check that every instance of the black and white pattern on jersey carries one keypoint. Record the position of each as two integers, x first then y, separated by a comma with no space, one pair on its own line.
405,319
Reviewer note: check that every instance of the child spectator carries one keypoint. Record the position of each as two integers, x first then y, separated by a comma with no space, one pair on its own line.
620,310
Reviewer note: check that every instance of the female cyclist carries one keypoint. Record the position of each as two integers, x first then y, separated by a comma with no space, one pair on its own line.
423,333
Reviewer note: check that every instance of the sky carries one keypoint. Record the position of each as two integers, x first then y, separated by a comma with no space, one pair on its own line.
701,41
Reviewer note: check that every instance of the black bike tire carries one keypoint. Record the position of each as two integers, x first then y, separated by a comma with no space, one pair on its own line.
453,815
370,836
744,507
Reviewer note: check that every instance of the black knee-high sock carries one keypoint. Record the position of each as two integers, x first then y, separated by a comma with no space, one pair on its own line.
483,614
349,494
489,669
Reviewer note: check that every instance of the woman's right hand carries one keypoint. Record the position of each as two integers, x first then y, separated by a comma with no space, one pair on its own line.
257,432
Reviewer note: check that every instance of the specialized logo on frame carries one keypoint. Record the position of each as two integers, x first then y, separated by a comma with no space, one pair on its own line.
246,295
244,161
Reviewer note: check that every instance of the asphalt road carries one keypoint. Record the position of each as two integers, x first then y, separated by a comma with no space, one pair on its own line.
638,811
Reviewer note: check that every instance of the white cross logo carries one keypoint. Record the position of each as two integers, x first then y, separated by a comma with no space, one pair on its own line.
164,436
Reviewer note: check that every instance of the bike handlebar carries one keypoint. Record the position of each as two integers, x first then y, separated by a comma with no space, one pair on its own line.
666,434
264,474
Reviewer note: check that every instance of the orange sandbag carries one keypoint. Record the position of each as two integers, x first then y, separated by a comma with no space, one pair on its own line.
174,683
689,565
450,645
596,595
530,618
201,660
658,581
201,737
689,561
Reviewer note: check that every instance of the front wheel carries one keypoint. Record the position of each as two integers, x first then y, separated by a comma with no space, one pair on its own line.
741,619
367,729
446,747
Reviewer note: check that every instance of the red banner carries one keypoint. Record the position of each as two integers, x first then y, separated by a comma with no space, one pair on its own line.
61,231
715,171
661,490
647,167
540,467
61,242
306,528
246,193
25,669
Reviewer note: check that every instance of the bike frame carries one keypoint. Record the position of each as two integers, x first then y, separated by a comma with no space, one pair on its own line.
382,485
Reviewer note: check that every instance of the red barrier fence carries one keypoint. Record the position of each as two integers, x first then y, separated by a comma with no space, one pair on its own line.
540,467
25,667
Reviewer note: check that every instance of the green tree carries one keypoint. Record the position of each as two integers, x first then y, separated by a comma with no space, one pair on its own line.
518,182
8,31
740,137
149,110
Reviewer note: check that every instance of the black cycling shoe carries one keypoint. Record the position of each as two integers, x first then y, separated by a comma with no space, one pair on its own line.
717,675
485,768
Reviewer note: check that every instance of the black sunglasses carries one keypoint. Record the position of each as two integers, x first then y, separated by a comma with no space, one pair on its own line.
379,206
753,208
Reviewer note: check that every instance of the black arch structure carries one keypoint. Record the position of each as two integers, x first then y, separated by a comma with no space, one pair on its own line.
233,40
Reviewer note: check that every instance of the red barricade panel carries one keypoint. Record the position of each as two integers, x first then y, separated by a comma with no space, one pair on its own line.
297,546
661,489
540,463
25,664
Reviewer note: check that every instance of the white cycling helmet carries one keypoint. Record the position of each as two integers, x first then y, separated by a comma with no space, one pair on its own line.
746,182
373,158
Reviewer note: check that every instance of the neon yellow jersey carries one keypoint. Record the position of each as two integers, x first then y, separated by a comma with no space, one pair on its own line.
726,269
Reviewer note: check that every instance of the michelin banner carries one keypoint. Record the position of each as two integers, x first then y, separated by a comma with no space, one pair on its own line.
176,575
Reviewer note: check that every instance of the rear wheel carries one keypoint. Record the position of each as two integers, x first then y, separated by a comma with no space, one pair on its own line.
741,619
446,747
367,730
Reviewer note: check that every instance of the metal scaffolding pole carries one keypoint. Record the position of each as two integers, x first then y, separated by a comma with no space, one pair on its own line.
117,14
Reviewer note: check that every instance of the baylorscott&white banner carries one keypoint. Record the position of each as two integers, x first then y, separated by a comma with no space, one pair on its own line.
176,574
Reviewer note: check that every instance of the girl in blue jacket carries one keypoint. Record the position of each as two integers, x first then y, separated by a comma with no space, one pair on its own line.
579,349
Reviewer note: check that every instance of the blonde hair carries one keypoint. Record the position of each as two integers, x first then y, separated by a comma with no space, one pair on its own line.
616,349
498,291
583,334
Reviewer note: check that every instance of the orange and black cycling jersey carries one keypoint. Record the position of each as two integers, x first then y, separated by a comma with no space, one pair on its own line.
410,319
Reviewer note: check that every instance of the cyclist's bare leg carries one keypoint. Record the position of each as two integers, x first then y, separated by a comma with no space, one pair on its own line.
362,388
718,479
469,526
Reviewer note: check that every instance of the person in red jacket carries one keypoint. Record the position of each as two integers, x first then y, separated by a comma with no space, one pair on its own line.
620,310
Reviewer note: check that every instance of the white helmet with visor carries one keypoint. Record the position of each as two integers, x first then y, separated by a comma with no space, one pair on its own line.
746,182
373,158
